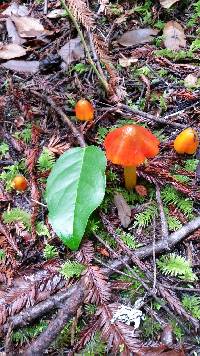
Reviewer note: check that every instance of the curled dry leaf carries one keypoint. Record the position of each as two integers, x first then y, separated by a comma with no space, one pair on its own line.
167,3
12,32
126,62
190,81
54,14
11,50
28,27
174,36
22,66
137,37
72,51
124,210
16,9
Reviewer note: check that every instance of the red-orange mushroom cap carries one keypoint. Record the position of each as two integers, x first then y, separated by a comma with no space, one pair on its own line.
130,145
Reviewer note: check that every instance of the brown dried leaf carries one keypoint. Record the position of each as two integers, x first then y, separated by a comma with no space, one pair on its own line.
127,62
190,81
167,335
124,210
137,37
72,51
9,51
56,13
141,190
167,3
97,286
16,9
28,26
174,36
22,66
12,32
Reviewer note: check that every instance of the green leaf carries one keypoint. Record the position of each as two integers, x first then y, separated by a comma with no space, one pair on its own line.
75,188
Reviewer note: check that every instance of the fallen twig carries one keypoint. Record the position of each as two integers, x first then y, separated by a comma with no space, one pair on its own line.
68,310
164,226
55,302
63,117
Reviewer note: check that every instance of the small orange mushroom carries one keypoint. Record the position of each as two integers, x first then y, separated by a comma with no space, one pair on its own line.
84,110
187,141
129,146
19,183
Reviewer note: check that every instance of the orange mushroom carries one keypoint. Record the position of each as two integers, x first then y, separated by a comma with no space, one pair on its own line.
19,183
129,146
187,141
84,110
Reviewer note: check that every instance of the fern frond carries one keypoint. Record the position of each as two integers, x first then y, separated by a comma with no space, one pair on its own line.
191,165
97,286
186,206
175,265
192,304
94,347
71,268
17,214
86,253
181,178
120,337
46,160
144,218
50,251
173,223
82,13
128,239
170,195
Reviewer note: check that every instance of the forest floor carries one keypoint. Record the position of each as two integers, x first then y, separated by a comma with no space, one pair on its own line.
132,287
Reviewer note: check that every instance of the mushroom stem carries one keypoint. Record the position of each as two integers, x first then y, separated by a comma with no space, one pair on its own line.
130,177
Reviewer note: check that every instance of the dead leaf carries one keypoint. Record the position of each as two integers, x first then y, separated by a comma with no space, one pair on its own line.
72,51
190,81
167,3
167,335
22,66
11,50
124,210
136,37
12,32
174,36
16,9
141,190
28,26
126,62
54,14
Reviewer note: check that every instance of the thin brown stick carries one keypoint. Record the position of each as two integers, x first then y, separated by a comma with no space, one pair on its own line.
63,117
164,225
68,310
54,302
149,116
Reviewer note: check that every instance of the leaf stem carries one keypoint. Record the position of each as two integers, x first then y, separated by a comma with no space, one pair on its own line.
102,80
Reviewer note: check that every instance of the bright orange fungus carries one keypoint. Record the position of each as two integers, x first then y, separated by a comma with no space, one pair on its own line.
19,183
129,146
84,110
187,141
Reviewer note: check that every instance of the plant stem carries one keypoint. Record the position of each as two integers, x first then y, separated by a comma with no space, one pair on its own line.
130,177
102,80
